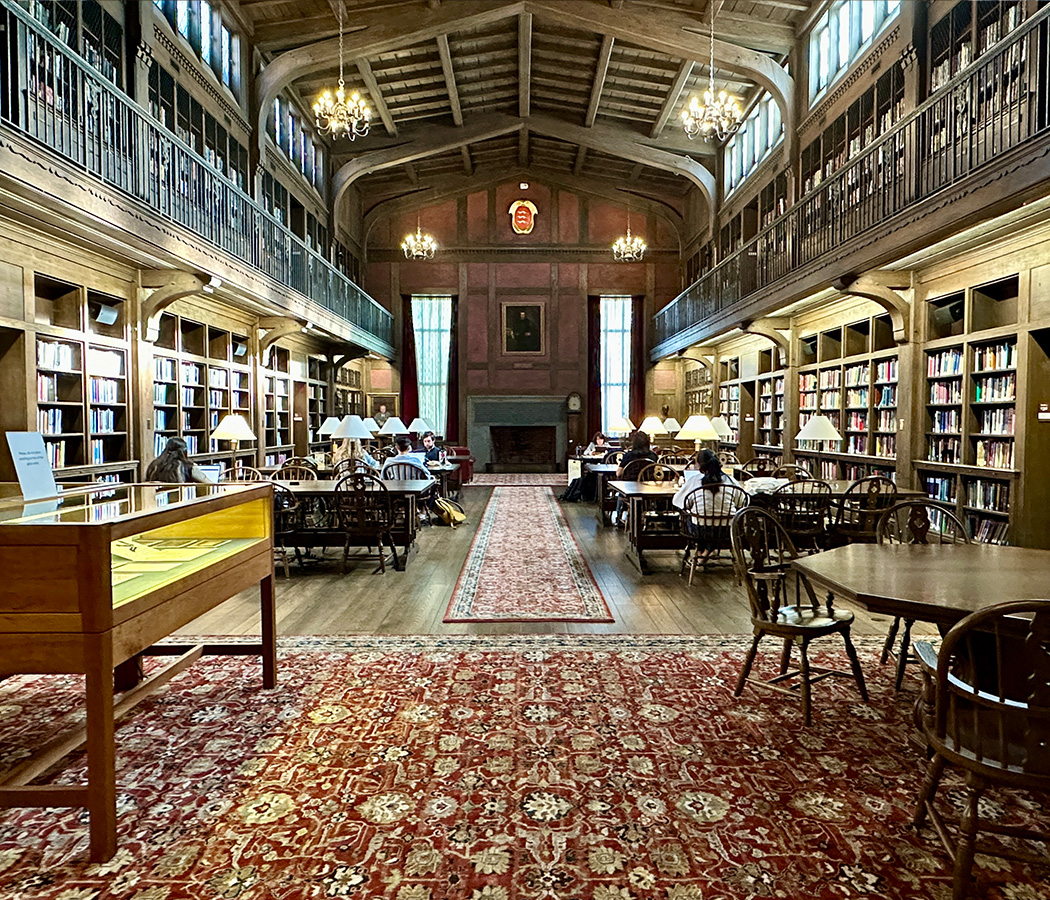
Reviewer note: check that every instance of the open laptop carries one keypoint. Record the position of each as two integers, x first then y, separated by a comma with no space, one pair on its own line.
212,471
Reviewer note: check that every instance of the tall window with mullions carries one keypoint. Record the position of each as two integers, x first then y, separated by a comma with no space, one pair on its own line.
432,327
615,358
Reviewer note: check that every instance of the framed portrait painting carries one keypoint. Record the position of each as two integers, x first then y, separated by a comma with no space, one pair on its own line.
524,328
381,407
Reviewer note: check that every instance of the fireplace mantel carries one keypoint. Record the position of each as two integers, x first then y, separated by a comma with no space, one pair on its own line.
485,411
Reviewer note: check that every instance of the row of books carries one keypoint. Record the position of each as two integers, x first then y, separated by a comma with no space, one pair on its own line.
49,421
103,421
830,378
945,363
56,453
942,392
944,449
218,378
887,370
945,421
856,376
189,397
886,396
988,531
163,369
994,388
885,445
999,420
986,494
830,399
886,420
103,390
857,421
47,389
160,419
807,382
995,453
995,357
857,443
191,373
857,398
53,355
940,487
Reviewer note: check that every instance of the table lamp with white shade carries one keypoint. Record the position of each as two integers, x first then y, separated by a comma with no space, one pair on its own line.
352,427
419,426
818,428
698,429
622,425
719,424
371,424
393,427
233,428
327,427
652,426
671,425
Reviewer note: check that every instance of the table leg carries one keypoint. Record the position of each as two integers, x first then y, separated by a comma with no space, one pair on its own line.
101,754
268,615
127,674
601,498
637,514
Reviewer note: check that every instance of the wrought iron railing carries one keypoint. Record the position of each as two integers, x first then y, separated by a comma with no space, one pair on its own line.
52,95
994,105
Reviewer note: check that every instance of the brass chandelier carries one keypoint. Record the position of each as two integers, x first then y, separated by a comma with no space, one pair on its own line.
419,246
720,114
338,115
629,248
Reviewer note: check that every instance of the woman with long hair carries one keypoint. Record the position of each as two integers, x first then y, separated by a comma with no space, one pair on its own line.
174,465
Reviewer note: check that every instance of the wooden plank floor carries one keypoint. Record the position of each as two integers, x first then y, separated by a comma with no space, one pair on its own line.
318,600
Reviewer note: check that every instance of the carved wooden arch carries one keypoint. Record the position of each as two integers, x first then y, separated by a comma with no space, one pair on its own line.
768,329
275,328
882,287
170,285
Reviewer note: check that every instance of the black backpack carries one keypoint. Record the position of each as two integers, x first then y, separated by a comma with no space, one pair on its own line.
574,492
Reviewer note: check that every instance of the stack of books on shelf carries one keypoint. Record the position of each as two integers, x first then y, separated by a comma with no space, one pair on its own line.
47,388
939,487
988,494
53,355
163,369
995,357
988,531
995,454
995,388
56,453
103,421
49,421
998,420
103,390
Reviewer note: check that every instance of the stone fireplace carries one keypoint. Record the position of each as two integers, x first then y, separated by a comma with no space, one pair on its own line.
517,433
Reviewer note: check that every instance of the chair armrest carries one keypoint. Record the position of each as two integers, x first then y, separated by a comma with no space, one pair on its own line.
927,656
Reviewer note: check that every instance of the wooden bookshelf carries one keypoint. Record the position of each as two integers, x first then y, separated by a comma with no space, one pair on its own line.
277,408
196,382
698,391
348,399
81,373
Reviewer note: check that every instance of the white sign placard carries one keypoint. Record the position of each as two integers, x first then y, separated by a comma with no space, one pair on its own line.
32,465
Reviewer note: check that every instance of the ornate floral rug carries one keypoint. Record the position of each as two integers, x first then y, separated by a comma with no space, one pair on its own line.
525,566
526,767
519,479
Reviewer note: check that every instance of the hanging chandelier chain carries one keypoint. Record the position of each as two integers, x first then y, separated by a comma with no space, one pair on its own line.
342,116
719,115
341,44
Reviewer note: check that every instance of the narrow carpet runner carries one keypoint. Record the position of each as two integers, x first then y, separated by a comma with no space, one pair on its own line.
524,767
520,479
525,566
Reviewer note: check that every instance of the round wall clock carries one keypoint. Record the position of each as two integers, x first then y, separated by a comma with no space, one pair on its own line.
574,402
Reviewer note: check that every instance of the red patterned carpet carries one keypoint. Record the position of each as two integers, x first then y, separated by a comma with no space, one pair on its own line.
525,566
543,767
520,479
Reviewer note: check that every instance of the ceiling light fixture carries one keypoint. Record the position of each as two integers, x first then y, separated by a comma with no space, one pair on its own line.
628,248
719,115
419,245
337,115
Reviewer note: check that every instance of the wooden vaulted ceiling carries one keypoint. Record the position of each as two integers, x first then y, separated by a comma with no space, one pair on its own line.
585,91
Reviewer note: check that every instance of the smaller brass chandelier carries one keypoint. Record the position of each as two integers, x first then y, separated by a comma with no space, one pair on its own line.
629,248
419,245
720,114
338,115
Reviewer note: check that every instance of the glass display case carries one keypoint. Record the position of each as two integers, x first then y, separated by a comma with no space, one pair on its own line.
97,575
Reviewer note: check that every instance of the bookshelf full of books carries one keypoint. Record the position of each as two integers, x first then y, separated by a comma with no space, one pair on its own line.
770,430
316,403
277,409
347,396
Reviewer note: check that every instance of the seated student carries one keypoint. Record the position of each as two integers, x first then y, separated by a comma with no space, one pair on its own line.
710,472
640,449
174,465
431,451
598,445
407,457
353,449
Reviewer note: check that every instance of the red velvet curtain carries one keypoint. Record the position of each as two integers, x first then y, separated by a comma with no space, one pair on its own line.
409,374
452,424
594,366
638,361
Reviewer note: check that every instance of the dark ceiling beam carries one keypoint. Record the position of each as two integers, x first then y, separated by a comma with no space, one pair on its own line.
523,148
666,34
581,158
237,15
292,32
364,69
410,171
671,100
376,32
600,72
524,64
450,78
468,165
438,189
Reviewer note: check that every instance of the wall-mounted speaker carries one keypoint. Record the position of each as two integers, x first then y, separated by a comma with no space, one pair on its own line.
106,314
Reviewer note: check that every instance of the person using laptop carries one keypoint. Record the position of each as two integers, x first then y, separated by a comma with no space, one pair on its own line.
405,456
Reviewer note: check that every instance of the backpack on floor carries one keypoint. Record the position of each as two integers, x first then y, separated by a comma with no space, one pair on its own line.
574,492
449,511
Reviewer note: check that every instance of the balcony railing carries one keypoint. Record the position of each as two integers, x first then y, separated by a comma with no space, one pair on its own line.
995,105
52,95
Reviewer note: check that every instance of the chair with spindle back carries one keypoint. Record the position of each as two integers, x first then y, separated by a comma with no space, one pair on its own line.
860,509
366,514
241,473
674,459
612,458
707,511
985,711
295,472
792,472
656,473
728,458
286,524
300,461
759,467
803,508
783,604
915,522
